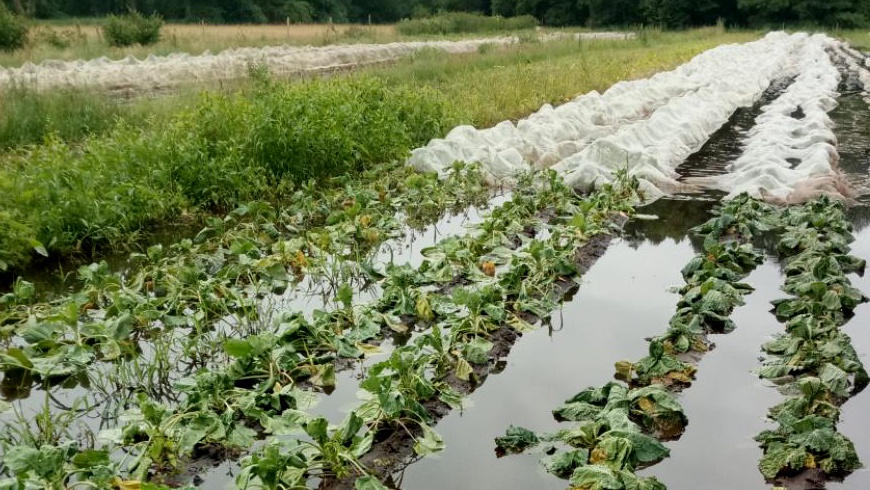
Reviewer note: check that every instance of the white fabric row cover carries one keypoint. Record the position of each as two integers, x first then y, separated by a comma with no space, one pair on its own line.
160,72
651,126
790,155
648,125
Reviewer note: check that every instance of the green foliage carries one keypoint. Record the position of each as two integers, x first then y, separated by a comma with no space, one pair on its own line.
13,30
132,28
813,357
516,440
28,117
229,149
461,22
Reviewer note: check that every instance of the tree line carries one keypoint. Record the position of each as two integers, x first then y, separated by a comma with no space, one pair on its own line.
595,13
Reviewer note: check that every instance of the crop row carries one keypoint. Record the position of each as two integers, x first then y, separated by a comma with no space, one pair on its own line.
473,309
813,362
261,369
617,428
169,315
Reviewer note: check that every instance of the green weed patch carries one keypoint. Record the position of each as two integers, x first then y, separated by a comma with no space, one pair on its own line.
66,198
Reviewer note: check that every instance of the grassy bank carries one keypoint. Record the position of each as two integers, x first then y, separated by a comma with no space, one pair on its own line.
226,149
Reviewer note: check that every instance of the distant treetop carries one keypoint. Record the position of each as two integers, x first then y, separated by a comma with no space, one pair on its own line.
595,13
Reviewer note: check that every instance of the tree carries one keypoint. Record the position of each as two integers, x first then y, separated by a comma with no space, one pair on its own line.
604,13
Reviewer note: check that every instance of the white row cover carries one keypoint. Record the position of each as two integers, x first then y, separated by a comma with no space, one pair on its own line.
651,126
790,154
156,73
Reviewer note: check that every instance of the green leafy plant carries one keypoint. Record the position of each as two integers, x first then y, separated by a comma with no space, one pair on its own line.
13,30
132,28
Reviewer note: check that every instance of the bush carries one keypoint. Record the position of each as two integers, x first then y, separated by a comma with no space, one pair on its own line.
58,39
462,22
132,28
13,31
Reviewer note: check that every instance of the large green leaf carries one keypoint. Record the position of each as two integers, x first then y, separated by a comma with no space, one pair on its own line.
564,463
516,439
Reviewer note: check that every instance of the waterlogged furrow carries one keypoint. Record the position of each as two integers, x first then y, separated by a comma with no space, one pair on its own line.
618,428
655,147
813,362
232,265
470,324
140,331
273,366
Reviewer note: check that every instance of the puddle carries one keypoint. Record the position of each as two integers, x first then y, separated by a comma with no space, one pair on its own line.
854,414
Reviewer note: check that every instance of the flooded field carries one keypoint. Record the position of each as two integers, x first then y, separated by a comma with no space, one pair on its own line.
380,340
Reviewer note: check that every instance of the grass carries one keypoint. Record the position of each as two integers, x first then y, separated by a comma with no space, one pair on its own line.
224,149
858,38
28,118
84,40
66,198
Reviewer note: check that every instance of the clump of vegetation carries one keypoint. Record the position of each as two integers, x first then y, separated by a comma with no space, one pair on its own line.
462,22
59,39
28,117
227,150
13,30
132,28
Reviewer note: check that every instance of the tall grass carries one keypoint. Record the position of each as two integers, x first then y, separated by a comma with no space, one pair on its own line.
500,84
464,23
63,198
28,117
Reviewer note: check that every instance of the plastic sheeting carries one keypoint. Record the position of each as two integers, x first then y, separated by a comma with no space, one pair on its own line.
156,73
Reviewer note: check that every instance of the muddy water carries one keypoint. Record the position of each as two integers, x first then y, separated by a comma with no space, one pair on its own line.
853,120
726,143
625,298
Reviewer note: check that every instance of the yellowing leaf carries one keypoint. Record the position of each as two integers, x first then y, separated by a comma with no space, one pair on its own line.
463,370
423,308
126,484
369,349
598,455
646,405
